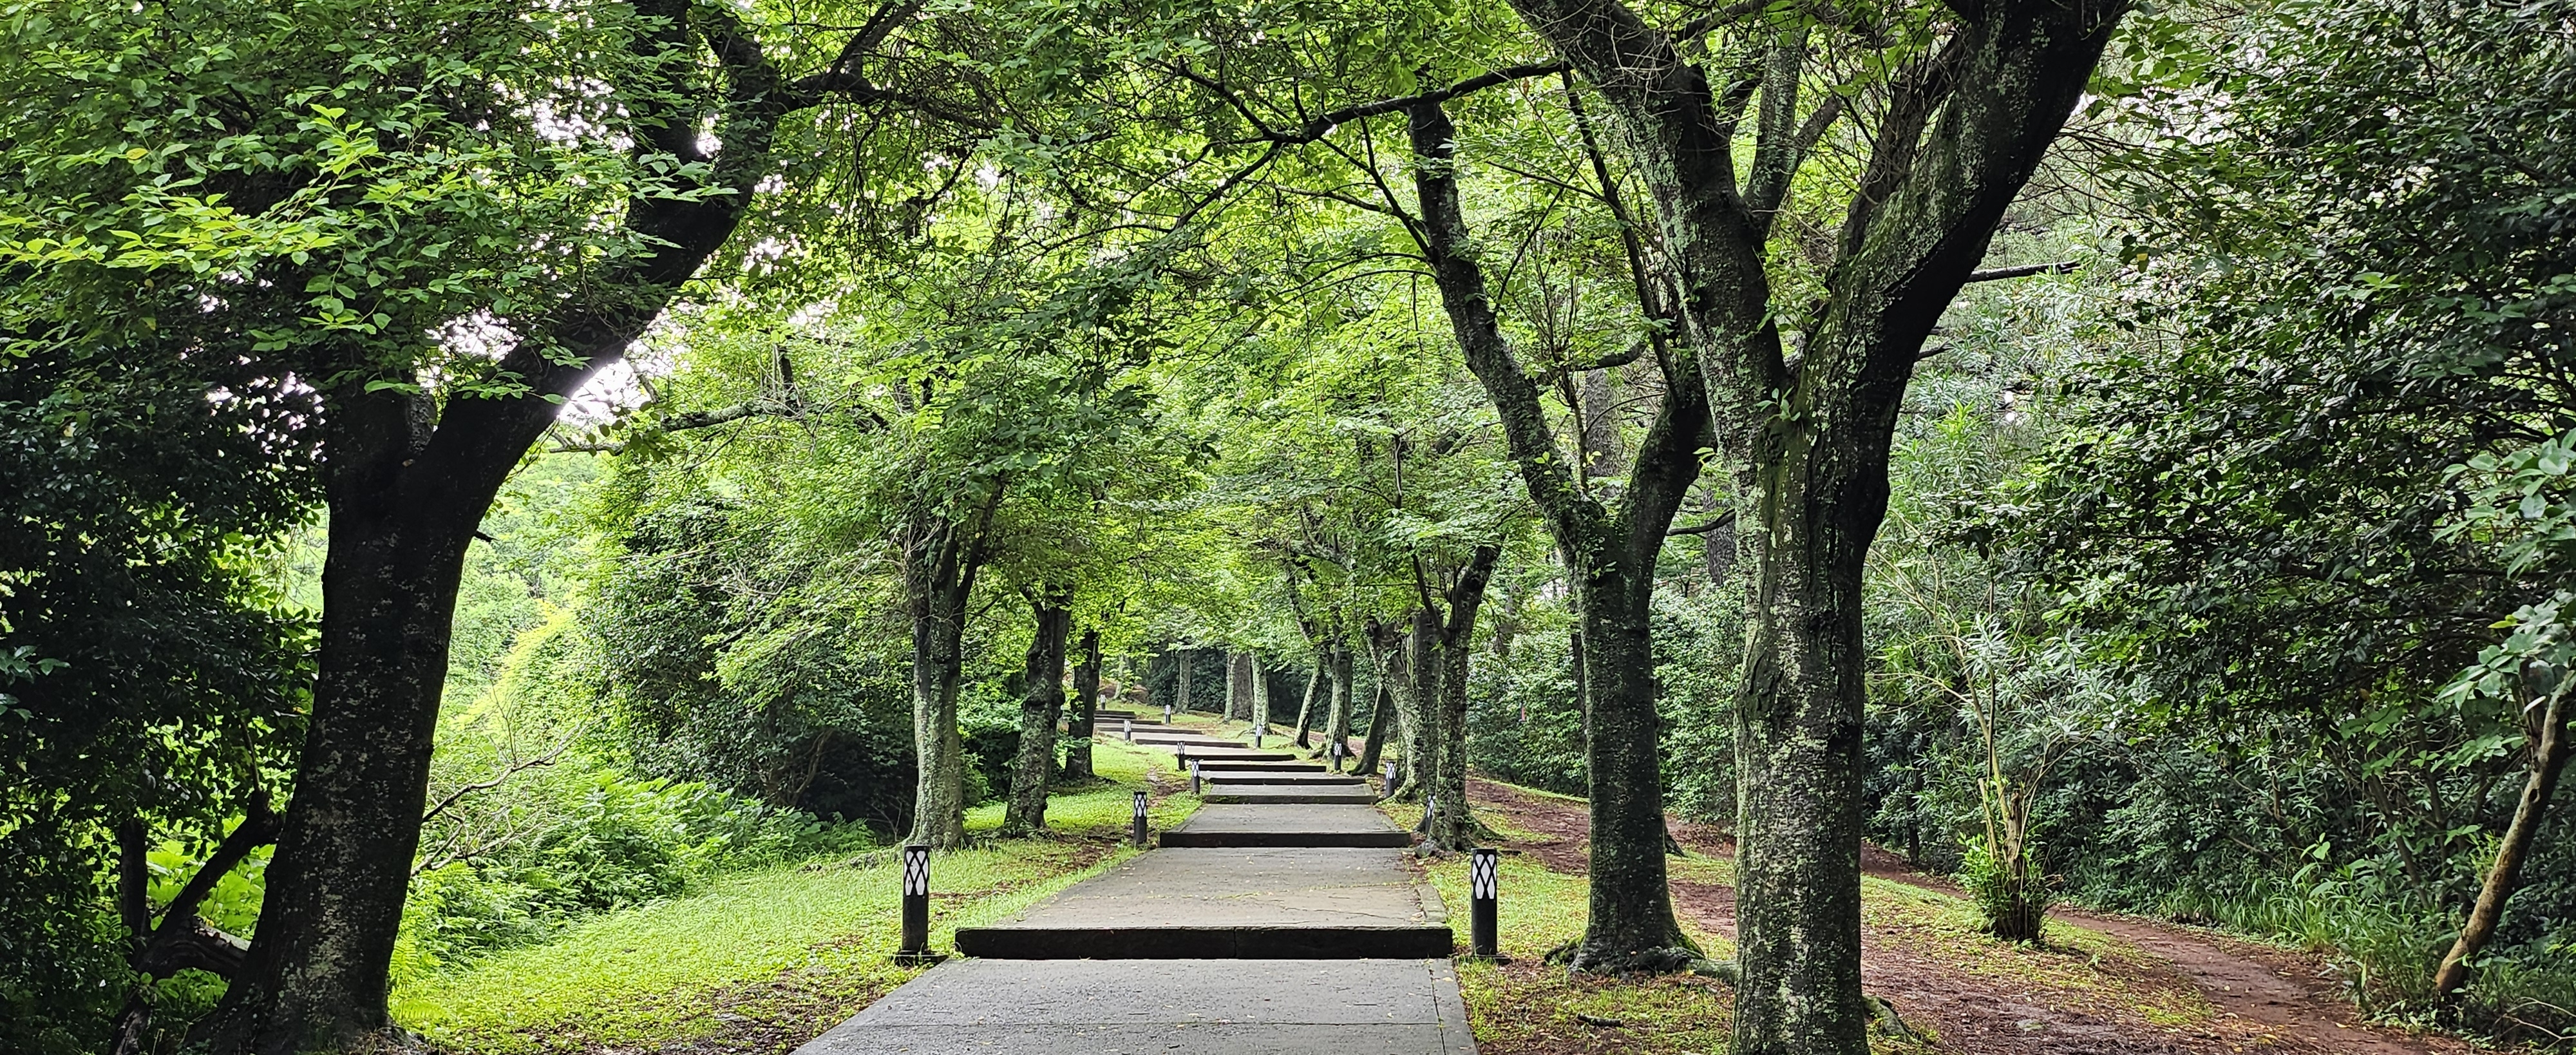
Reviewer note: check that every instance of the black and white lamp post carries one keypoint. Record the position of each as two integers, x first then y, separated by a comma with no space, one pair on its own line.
1140,818
1127,728
1194,778
916,906
1167,714
1484,882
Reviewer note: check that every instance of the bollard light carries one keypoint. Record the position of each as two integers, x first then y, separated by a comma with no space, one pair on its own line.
1389,778
1167,714
1127,728
1194,778
1484,881
1333,755
1140,818
1256,738
916,904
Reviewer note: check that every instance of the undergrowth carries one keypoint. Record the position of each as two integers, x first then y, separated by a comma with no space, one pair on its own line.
774,954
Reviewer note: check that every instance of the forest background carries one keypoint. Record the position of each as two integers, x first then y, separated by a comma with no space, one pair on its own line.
2223,575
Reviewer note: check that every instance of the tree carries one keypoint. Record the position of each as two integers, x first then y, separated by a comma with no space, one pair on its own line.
397,164
147,491
1968,99
2357,285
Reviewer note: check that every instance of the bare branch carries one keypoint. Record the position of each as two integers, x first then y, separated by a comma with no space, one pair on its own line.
2000,273
514,769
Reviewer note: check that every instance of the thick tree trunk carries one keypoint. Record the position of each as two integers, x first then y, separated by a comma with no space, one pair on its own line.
401,517
1181,682
1632,924
1086,697
1798,747
2550,751
1413,663
1033,769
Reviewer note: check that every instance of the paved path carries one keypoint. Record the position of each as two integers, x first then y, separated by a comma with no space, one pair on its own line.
1215,1007
1268,923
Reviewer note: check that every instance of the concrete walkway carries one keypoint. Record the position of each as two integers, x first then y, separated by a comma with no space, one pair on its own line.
1189,1007
1268,923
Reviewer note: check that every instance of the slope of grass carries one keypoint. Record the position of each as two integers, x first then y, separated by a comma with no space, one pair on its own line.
774,955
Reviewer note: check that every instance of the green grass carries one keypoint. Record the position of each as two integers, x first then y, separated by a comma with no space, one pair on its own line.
776,953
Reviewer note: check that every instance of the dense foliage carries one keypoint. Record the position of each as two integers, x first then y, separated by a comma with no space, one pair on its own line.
1338,355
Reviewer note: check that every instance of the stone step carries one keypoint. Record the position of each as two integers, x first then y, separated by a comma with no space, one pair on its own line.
1230,903
1218,754
1286,825
1221,766
1191,739
1285,779
1231,792
1170,1007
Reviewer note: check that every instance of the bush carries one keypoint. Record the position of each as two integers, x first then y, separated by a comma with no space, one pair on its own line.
2012,902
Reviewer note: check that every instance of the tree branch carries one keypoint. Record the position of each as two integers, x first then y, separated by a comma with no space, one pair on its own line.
2000,273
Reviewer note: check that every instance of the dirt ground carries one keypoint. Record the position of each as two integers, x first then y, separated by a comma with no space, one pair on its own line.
2151,988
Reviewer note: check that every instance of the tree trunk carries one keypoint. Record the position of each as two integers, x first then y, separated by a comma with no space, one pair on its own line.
404,504
1959,134
1259,711
1238,686
1181,683
1306,705
1086,697
1337,666
2550,751
1452,824
1033,769
1412,662
939,565
1374,746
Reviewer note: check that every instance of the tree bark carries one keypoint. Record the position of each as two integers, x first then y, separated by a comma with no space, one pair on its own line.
1033,769
405,496
1373,747
1238,686
1181,683
2550,751
1259,711
1337,666
1086,697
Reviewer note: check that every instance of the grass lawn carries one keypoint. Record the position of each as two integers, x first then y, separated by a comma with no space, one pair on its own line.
765,959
